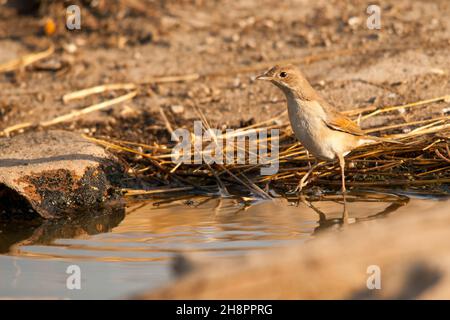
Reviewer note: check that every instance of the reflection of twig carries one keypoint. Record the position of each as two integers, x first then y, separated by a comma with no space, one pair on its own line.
138,207
322,215
218,206
171,200
391,208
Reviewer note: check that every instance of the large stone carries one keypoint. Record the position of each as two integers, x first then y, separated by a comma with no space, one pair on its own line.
55,174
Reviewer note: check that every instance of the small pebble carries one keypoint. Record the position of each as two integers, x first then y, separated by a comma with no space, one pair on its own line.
177,109
354,21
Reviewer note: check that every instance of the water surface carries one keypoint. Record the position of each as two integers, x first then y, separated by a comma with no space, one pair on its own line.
121,255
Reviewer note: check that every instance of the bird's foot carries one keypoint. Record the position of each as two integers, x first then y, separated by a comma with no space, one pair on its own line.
298,188
293,191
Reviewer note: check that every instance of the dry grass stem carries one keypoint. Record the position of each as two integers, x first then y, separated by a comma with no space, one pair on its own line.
26,60
77,113
422,161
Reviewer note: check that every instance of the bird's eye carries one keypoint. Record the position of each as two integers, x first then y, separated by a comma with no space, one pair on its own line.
283,74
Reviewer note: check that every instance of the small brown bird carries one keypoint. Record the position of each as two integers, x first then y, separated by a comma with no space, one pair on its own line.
324,132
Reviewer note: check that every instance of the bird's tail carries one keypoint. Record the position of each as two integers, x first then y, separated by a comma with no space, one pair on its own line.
372,139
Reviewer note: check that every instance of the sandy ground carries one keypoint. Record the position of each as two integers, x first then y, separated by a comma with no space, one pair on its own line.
227,43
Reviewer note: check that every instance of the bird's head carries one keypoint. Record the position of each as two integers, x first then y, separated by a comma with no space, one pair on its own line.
289,79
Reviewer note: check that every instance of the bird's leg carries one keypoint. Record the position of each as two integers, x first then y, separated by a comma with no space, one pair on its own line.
342,165
309,162
344,191
344,212
303,181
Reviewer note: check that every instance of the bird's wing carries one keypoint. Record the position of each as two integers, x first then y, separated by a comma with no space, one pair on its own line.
339,122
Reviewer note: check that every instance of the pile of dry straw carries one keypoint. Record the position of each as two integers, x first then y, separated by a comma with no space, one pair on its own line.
422,161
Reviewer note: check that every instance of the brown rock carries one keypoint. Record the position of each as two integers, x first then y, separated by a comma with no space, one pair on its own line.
55,173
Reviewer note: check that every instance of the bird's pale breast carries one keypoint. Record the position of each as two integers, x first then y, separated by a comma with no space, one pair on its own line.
307,121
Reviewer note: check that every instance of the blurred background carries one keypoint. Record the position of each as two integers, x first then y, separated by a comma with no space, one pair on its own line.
220,45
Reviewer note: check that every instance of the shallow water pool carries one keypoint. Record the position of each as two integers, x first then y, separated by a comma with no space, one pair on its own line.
119,256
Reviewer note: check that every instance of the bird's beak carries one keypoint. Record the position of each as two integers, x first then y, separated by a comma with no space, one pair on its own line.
264,76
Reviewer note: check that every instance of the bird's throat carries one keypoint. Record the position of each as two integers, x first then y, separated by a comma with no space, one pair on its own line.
300,108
